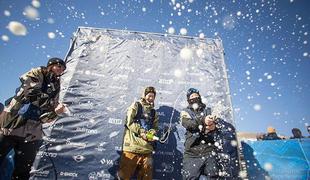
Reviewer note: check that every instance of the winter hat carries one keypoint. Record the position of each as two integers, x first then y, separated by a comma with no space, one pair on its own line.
149,89
191,91
271,130
56,60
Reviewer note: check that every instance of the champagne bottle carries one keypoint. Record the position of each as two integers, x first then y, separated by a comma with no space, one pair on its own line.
151,136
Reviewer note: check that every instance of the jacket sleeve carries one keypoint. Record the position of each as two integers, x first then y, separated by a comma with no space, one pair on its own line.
190,124
130,121
31,85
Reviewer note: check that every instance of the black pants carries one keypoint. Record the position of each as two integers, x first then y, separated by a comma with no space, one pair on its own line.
194,167
25,153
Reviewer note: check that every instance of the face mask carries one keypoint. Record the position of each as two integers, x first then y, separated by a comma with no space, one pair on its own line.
196,100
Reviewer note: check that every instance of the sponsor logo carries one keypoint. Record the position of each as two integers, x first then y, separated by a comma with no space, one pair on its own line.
196,74
115,121
165,81
165,92
188,83
100,147
87,131
127,68
165,103
111,109
49,154
106,161
69,174
120,77
118,148
75,144
167,168
143,80
45,138
78,158
91,73
118,87
168,153
166,74
101,175
40,173
161,113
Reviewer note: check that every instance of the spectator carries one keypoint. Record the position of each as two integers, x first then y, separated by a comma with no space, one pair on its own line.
296,134
271,134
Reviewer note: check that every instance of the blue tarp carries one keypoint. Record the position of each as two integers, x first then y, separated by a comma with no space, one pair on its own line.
278,159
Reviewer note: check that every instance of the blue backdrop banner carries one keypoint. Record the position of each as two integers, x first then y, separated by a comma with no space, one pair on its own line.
278,159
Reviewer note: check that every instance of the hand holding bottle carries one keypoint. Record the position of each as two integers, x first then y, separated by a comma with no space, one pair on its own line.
210,122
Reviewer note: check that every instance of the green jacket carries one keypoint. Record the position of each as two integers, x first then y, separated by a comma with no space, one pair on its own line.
132,140
38,88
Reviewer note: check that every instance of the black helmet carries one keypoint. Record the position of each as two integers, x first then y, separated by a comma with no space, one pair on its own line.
56,60
191,91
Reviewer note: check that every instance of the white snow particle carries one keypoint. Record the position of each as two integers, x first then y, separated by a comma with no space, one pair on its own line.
268,166
243,174
50,21
239,13
36,3
58,148
257,107
217,144
17,28
178,73
7,13
31,13
195,106
201,35
171,30
51,35
183,31
144,9
305,54
5,38
234,143
186,53
199,52
269,77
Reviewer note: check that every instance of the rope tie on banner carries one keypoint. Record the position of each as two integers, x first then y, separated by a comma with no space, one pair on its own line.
166,134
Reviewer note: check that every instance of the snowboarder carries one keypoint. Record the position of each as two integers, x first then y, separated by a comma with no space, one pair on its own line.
205,134
35,102
141,125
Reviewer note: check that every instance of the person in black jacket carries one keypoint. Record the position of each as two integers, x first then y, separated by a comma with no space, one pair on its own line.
205,137
296,134
36,102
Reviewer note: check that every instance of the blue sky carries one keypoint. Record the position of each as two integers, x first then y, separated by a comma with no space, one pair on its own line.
267,46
